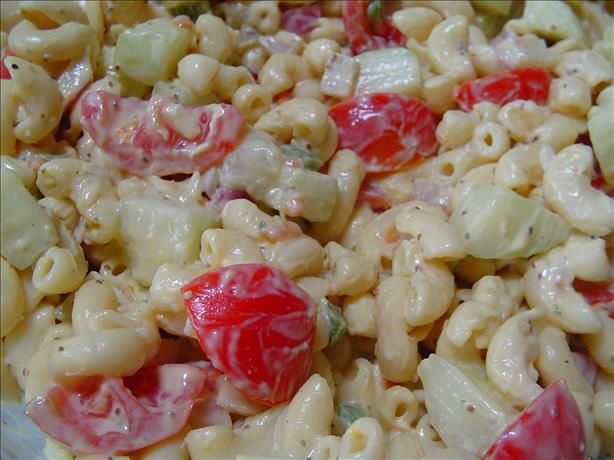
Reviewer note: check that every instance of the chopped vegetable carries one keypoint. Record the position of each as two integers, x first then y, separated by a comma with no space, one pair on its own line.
159,137
26,231
304,193
111,416
554,20
348,413
172,227
190,8
301,20
496,223
549,428
387,131
595,293
375,10
340,76
334,320
490,25
600,130
528,84
463,407
394,70
308,160
256,326
150,51
4,72
365,34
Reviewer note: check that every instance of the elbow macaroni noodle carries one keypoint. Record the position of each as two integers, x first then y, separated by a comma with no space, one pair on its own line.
104,299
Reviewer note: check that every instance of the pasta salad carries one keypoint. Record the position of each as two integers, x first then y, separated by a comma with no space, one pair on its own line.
309,229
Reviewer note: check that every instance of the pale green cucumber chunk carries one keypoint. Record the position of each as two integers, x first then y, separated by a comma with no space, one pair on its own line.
496,223
150,51
463,406
156,231
393,70
552,19
316,193
26,231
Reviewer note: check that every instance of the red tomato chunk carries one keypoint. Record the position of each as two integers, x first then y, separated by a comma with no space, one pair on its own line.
387,131
256,326
108,415
144,138
527,84
549,428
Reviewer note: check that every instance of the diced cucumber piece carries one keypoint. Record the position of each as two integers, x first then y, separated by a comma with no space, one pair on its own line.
190,8
554,20
150,51
314,194
463,407
26,231
494,7
496,223
156,231
308,159
394,70
334,320
601,131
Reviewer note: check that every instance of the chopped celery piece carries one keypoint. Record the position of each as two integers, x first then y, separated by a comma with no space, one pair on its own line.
26,231
190,8
311,194
554,20
150,51
494,7
394,70
308,159
463,407
156,231
496,223
348,413
334,320
601,131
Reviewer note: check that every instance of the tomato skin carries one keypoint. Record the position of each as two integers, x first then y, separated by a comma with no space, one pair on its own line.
4,71
256,326
386,130
595,293
549,428
361,35
136,134
526,83
109,416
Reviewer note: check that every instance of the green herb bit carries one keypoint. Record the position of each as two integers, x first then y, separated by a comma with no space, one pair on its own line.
348,413
308,159
334,320
192,9
375,10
